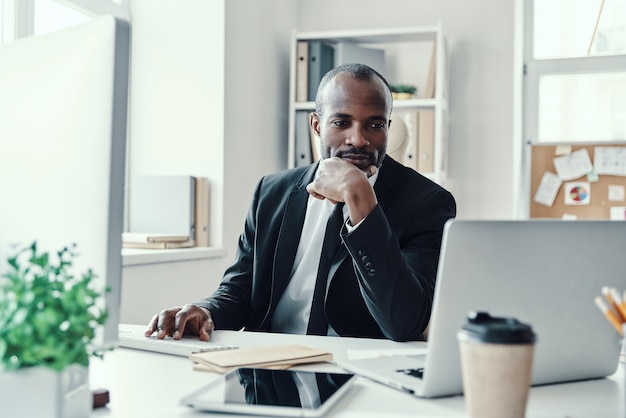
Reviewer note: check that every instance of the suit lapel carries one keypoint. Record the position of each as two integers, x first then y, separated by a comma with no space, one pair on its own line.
288,240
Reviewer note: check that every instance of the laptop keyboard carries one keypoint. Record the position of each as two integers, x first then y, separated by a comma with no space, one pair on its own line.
418,372
132,337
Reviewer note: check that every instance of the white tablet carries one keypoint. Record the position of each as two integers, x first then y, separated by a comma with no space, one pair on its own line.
279,393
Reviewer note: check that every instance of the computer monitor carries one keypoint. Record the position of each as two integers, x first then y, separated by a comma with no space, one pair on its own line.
63,109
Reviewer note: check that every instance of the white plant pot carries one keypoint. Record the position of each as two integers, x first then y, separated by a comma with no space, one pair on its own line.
43,393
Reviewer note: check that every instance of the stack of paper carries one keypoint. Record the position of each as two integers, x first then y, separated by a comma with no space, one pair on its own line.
270,357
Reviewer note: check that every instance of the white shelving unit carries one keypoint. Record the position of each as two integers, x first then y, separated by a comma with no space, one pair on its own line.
408,54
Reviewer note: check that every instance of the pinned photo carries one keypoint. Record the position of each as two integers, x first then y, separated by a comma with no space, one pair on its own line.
577,193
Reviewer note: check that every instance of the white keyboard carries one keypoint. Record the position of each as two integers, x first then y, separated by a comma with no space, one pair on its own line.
132,336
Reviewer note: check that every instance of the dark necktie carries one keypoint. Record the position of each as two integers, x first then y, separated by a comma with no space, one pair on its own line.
318,325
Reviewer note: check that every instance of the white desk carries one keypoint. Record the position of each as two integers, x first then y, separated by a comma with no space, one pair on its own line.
144,384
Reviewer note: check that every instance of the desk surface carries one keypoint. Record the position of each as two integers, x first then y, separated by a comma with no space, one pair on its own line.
145,384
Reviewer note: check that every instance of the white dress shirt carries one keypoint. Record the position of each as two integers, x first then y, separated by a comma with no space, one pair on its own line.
294,307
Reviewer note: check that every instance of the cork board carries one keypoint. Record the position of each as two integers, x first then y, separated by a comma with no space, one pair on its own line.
599,207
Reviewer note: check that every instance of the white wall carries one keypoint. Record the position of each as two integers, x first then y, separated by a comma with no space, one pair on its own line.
258,36
483,155
176,93
192,115
208,97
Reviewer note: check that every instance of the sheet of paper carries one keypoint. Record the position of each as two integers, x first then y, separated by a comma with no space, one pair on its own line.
577,193
618,213
354,354
610,160
548,188
616,192
574,165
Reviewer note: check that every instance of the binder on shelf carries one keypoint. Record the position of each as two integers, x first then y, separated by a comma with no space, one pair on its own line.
163,204
302,71
321,60
412,151
398,136
202,212
426,141
303,139
346,52
429,89
315,143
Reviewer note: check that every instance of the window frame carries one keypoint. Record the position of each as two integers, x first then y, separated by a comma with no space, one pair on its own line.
533,71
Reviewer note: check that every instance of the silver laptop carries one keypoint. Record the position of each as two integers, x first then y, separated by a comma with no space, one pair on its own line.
545,273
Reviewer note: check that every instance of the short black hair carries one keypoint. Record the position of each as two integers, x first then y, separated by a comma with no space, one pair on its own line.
357,71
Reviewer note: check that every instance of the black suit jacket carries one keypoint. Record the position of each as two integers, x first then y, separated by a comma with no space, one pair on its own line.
382,282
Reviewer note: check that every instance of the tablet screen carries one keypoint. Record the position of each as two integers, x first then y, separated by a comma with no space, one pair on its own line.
271,392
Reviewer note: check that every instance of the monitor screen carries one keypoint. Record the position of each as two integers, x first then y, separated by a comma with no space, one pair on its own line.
63,109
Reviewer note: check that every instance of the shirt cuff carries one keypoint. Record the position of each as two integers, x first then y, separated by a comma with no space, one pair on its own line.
351,227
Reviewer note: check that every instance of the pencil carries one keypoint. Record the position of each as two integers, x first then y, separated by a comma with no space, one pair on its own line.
606,291
619,303
609,314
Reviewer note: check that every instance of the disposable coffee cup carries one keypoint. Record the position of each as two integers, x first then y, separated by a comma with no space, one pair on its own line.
496,365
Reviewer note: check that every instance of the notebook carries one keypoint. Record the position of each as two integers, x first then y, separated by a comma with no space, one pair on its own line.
545,273
132,336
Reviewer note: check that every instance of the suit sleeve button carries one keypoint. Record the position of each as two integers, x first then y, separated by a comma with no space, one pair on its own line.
371,272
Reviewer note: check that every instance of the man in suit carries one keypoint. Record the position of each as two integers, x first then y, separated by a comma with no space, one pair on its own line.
378,280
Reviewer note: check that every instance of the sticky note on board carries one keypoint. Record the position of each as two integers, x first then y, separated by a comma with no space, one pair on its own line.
618,213
592,177
616,193
562,149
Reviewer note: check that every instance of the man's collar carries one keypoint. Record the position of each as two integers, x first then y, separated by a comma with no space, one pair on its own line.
373,178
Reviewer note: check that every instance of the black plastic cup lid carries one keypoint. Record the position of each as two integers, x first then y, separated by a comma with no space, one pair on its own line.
482,327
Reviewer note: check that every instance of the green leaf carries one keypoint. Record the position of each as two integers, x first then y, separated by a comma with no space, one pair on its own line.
48,312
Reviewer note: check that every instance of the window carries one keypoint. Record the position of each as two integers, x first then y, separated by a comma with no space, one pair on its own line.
578,28
1,21
20,18
50,15
582,107
575,66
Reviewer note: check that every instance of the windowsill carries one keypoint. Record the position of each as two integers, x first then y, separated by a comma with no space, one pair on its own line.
134,257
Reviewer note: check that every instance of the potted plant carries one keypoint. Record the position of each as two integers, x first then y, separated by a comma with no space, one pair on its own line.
402,91
48,319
